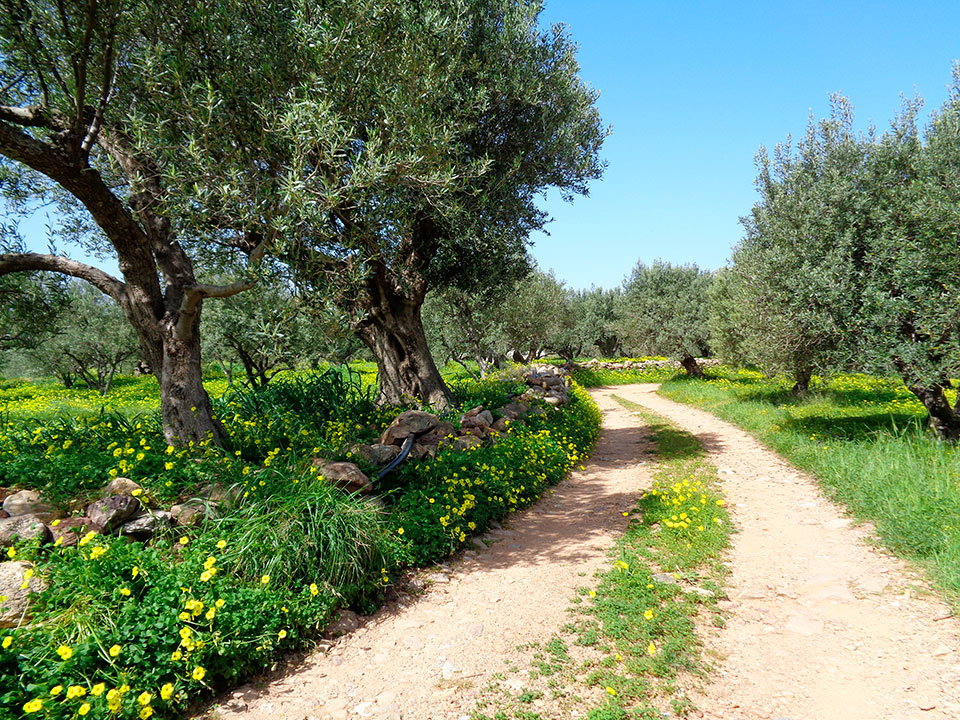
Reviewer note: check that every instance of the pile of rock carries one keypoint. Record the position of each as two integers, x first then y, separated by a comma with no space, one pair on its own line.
123,509
548,385
643,364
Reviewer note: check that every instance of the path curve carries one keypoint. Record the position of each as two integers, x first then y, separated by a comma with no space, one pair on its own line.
427,658
823,625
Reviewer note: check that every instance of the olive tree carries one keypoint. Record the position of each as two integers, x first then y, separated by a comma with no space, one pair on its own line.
910,273
141,123
533,316
664,312
793,274
427,134
90,340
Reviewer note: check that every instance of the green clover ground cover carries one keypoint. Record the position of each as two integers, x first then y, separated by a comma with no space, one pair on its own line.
126,630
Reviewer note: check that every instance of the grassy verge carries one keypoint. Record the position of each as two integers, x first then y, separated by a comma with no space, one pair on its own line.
601,377
127,630
632,637
864,439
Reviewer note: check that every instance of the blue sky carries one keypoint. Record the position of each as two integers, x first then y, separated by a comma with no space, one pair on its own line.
692,89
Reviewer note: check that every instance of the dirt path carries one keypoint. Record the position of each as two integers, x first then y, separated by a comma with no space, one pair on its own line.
823,626
427,658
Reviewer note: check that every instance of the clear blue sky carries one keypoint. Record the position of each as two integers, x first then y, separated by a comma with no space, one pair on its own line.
692,89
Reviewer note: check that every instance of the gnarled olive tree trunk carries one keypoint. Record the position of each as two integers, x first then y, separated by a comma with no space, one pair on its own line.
394,333
690,364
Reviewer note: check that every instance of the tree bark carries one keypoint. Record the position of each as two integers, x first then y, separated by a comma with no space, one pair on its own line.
184,404
394,333
690,364
942,419
802,384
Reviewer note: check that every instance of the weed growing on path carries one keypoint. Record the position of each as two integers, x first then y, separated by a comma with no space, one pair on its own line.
636,625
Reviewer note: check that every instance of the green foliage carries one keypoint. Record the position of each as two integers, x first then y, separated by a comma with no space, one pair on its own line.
792,284
851,260
217,599
30,303
267,329
90,340
664,310
535,315
862,437
200,608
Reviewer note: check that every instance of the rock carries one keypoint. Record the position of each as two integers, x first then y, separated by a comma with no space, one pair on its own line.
378,454
193,512
120,486
553,400
500,425
147,525
438,578
516,409
22,527
394,435
473,412
466,442
4,514
347,621
478,431
30,502
221,494
14,608
344,475
72,528
475,629
666,578
409,422
448,670
699,591
112,512
423,452
444,429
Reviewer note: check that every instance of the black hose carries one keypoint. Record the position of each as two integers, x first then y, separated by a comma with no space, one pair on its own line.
404,451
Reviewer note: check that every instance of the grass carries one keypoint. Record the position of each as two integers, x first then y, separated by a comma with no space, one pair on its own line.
600,377
633,634
865,439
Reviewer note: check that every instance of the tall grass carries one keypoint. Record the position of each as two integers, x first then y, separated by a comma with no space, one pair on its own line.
865,439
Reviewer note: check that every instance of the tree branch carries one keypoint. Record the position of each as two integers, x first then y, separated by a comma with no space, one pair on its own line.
28,262
30,116
199,291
